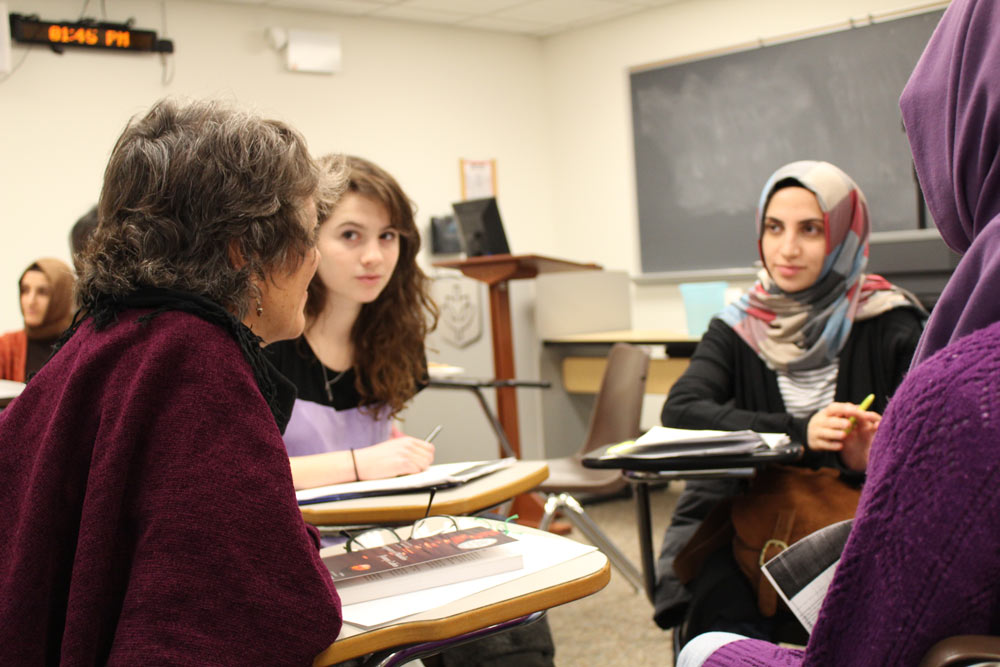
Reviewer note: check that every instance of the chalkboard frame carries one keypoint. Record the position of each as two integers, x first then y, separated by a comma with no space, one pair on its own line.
696,194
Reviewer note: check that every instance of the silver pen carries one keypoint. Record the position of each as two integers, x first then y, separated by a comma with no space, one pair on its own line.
434,432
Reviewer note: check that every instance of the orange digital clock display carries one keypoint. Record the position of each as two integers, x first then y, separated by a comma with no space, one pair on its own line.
88,35
109,39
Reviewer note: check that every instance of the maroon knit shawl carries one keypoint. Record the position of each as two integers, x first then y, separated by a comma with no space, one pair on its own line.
147,512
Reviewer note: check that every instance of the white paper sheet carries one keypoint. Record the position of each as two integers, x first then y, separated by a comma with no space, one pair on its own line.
436,475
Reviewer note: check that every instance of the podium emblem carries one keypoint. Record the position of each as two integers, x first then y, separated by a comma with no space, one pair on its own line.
461,322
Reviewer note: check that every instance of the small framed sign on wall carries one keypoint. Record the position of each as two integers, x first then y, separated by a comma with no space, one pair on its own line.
479,178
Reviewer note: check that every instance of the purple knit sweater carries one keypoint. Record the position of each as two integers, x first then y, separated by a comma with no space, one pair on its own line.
923,559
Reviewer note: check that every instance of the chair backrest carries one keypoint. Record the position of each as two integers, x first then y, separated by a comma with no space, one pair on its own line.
618,405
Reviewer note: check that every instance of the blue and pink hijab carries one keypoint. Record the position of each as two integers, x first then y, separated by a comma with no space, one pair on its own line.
808,329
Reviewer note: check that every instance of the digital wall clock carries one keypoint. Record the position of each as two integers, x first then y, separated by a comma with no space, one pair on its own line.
86,34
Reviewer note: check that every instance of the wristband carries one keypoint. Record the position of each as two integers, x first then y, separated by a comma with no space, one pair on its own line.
354,460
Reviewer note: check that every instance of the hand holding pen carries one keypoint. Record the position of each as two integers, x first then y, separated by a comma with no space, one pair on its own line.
845,428
832,426
401,455
863,405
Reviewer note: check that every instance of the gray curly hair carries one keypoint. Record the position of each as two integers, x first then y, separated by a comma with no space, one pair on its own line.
206,199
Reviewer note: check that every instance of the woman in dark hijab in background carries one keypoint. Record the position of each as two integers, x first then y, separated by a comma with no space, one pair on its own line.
46,295
147,511
923,559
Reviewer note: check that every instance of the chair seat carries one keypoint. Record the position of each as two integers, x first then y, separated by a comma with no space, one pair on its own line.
568,475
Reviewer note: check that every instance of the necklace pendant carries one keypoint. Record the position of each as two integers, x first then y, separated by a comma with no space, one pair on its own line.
329,382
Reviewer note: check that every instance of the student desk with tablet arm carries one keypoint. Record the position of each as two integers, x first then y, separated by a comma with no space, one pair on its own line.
467,498
461,619
511,604
644,472
520,599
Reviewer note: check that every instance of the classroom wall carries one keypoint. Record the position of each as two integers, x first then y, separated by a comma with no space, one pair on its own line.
414,97
588,107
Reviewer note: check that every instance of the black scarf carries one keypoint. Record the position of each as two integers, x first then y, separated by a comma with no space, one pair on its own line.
277,391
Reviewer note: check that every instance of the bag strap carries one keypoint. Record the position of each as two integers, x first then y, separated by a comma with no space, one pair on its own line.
767,597
714,533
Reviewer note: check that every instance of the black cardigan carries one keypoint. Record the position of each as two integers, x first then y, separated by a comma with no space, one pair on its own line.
728,387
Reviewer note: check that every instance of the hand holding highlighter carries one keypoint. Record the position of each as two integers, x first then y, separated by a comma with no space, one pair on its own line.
864,405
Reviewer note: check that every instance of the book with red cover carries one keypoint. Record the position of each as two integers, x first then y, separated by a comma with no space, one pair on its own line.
422,563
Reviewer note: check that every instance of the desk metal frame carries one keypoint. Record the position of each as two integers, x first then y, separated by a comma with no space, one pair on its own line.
401,656
476,386
643,472
641,481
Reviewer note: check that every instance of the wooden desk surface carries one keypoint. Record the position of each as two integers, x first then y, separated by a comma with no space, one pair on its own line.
493,269
464,499
583,375
637,336
540,590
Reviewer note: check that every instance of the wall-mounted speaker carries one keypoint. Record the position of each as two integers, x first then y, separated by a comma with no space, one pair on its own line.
317,52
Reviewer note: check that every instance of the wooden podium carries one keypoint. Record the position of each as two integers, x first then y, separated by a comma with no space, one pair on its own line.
496,271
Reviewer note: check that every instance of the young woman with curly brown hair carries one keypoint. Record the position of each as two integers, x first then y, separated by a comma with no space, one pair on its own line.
362,355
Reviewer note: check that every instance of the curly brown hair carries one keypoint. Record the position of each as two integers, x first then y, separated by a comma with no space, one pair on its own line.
190,185
388,335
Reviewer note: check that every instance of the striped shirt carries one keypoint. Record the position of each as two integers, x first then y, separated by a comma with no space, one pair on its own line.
807,392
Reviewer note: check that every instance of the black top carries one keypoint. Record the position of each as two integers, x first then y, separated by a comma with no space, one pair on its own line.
728,387
297,362
38,353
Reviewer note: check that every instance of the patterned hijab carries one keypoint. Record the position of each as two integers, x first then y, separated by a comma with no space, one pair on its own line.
807,329
951,110
60,311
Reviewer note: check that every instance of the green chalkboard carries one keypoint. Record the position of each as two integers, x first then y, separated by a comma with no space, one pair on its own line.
709,132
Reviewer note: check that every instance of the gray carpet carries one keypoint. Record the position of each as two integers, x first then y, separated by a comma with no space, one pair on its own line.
615,625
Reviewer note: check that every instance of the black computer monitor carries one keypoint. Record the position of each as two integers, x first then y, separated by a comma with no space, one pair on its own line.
482,231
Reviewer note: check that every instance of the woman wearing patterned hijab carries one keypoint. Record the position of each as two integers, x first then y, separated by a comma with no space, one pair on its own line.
922,559
46,289
795,354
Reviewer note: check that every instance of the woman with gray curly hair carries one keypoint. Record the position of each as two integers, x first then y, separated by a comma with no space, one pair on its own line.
146,501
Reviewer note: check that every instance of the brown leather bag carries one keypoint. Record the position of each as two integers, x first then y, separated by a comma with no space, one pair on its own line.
782,505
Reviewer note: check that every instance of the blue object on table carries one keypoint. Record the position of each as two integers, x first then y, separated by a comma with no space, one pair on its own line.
702,301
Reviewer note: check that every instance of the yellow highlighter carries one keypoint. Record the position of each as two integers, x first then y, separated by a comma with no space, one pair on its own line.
863,405
620,446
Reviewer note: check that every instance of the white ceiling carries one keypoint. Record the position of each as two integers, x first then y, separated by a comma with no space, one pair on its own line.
531,17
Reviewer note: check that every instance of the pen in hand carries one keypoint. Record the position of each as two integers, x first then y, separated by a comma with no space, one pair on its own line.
433,433
863,405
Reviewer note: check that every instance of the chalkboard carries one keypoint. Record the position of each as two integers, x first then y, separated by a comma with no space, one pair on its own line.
709,132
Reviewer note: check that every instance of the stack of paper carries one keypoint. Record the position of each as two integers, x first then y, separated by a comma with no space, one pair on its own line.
662,442
437,476
803,572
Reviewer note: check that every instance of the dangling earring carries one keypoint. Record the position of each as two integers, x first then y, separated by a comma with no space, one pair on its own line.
260,308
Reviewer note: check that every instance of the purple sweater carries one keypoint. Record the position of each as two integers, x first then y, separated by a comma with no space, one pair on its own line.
923,559
147,514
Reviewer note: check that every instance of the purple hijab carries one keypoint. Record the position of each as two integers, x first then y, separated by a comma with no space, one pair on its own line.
951,109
